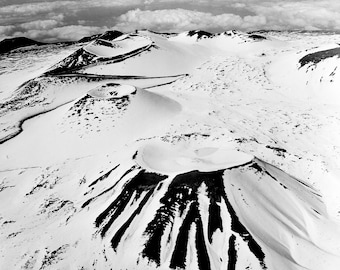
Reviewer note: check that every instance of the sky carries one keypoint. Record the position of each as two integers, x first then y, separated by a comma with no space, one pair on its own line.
68,20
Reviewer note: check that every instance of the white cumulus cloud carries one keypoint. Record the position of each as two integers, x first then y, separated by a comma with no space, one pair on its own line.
22,16
5,29
40,24
29,9
300,15
182,19
63,33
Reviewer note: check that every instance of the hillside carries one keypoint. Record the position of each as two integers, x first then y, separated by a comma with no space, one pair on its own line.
194,151
9,44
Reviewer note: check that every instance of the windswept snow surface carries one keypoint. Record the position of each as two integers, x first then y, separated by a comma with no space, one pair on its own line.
190,151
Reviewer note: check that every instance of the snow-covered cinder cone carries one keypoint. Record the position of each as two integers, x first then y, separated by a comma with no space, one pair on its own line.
185,208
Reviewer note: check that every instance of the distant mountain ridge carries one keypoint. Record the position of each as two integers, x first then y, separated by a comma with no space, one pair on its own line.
10,44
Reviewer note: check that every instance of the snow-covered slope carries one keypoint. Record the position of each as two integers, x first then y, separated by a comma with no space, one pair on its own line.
172,151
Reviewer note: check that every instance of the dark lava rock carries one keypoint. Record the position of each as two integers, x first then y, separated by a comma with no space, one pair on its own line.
9,44
315,58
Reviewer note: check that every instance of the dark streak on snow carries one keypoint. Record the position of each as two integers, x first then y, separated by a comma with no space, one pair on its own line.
163,84
215,221
232,253
119,234
110,188
180,252
96,77
142,182
239,228
275,179
182,195
277,150
103,177
202,253
182,192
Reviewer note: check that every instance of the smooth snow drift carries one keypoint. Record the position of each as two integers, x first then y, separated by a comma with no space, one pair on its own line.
193,151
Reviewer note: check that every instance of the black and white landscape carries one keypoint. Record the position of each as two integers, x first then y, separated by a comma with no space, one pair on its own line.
149,150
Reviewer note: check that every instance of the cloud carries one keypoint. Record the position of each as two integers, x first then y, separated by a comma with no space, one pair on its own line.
75,32
40,25
70,10
270,14
6,29
300,15
29,9
239,5
18,14
164,15
49,6
182,19
63,33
